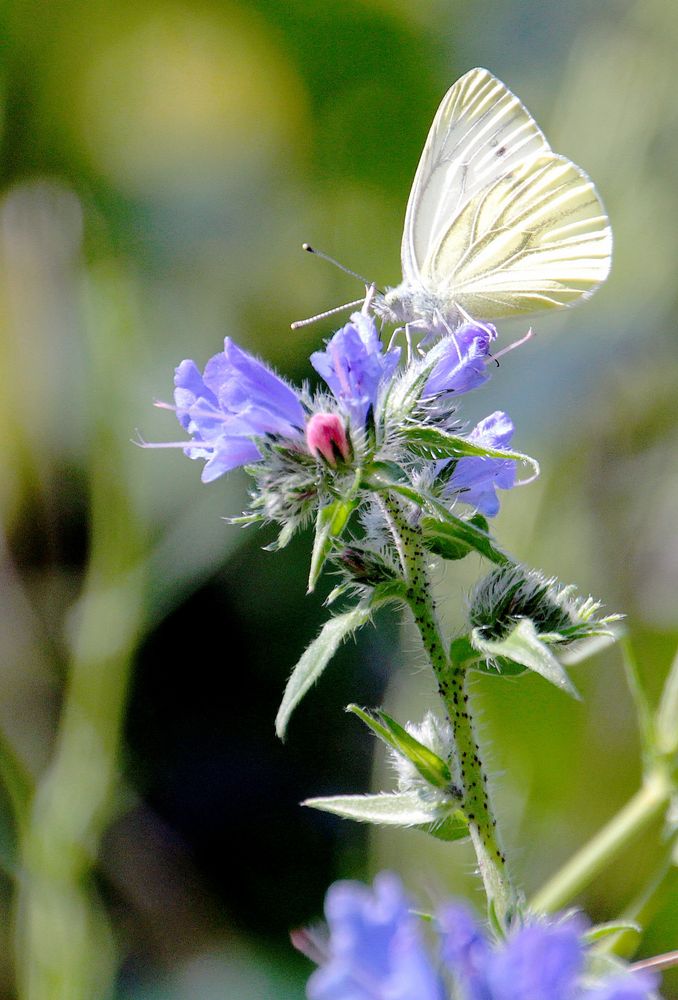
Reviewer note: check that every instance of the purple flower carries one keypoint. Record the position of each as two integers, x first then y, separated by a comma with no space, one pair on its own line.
376,952
463,360
464,948
543,960
540,962
236,399
375,948
476,479
354,365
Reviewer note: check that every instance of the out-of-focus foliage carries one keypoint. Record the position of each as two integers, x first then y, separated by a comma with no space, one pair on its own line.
161,163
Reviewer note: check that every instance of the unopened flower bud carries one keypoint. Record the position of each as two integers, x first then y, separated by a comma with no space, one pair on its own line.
327,438
364,566
511,593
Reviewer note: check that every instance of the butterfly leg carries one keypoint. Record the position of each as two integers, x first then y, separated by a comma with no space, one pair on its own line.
408,341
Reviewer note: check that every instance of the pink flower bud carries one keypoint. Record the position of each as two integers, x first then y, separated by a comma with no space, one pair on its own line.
326,438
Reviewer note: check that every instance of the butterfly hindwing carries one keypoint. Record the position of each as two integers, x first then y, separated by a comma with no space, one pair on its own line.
537,238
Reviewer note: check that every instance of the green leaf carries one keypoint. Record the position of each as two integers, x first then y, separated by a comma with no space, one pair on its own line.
453,538
431,442
404,809
667,713
329,526
523,646
430,766
315,659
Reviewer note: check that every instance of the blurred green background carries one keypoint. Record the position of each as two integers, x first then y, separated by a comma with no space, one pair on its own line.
161,163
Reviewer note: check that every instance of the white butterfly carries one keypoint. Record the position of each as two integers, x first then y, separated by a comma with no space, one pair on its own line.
497,224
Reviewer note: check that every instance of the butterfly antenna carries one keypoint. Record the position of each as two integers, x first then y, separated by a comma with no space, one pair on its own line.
325,256
323,315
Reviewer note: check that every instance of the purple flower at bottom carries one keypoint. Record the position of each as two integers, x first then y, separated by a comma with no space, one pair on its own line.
464,948
376,951
476,479
237,398
354,364
462,364
542,960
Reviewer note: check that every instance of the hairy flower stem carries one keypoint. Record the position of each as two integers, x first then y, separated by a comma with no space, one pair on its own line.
451,678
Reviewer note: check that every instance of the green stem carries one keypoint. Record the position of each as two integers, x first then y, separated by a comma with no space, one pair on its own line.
451,678
647,805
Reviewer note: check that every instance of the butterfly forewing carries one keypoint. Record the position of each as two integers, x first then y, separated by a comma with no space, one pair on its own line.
480,133
538,237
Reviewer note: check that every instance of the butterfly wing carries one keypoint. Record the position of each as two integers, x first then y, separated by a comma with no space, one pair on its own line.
480,132
497,223
536,238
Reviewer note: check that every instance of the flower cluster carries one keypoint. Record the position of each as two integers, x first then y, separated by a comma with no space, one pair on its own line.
303,449
376,949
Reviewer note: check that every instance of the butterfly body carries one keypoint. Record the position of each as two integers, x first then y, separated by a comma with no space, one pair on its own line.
416,306
497,224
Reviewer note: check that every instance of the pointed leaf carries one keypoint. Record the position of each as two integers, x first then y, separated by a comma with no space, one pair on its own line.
453,538
431,442
330,525
430,766
404,809
523,646
315,659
